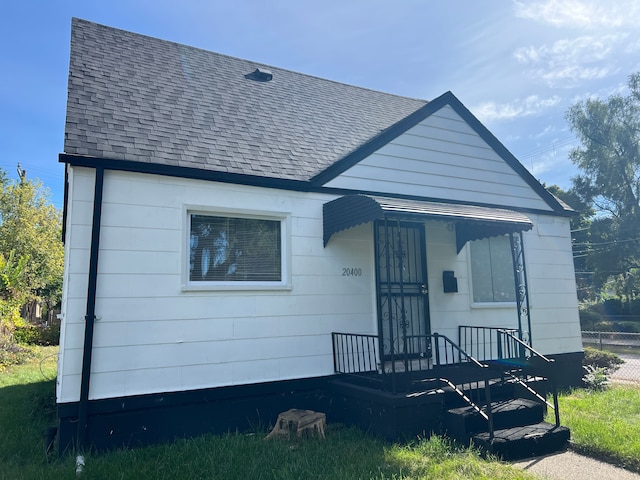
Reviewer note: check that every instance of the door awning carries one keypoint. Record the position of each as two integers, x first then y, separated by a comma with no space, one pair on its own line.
471,222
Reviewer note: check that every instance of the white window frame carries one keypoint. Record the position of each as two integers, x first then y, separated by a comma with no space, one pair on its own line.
285,253
474,304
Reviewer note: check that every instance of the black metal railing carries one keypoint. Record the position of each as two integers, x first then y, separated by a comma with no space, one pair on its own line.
358,355
448,353
355,353
517,359
489,343
536,364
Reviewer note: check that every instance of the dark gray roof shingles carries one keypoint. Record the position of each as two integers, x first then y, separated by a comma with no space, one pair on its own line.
141,99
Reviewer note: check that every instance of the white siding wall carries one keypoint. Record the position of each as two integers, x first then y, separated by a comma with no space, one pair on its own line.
151,336
551,281
441,157
552,286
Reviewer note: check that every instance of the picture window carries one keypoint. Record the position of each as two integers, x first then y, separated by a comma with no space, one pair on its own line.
228,249
492,274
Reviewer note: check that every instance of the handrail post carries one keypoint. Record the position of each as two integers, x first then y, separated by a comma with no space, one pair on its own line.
555,402
487,397
335,359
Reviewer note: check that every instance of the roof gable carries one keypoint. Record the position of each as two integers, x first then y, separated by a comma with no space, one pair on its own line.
443,152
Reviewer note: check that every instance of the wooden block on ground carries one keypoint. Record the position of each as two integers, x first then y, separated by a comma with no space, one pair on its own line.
299,421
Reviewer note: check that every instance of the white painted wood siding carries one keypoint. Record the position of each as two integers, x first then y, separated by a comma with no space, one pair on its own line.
552,286
441,157
151,336
551,282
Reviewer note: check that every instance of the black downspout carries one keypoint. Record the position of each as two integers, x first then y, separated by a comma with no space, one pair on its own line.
64,203
90,317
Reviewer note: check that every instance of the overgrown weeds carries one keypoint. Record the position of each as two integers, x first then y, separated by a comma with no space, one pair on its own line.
12,353
599,365
601,359
30,334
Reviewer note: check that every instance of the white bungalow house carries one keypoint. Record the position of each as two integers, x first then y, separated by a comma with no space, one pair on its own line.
241,239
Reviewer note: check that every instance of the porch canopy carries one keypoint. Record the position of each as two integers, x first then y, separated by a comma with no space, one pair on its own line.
471,222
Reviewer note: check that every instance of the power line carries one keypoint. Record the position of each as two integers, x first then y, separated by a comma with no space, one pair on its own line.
550,147
597,244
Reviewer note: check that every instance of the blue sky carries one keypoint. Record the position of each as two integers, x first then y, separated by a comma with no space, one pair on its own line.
517,65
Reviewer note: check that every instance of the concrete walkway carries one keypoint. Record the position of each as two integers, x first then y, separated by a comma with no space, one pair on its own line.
569,465
629,371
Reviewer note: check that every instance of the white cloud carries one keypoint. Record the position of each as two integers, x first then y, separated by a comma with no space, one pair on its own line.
569,61
581,13
632,47
549,129
582,49
532,105
572,74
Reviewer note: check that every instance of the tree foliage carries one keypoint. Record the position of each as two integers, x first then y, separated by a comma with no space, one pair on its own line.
30,241
609,180
609,158
11,287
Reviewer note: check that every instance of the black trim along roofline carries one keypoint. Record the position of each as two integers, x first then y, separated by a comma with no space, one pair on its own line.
182,172
270,182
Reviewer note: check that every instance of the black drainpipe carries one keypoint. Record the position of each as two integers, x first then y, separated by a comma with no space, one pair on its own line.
90,317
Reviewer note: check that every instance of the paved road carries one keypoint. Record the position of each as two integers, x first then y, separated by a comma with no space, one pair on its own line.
629,371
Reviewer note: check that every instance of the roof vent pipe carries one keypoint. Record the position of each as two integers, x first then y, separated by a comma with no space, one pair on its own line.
260,75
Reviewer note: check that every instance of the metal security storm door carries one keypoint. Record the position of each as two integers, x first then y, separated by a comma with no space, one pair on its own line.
402,290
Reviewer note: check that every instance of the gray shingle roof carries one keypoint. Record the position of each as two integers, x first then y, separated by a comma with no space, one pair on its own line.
141,99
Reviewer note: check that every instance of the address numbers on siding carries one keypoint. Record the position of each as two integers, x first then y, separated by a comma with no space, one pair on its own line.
351,272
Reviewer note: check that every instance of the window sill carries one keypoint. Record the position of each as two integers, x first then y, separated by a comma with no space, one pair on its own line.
241,287
481,305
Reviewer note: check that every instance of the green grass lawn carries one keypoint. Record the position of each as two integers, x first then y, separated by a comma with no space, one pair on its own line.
605,424
27,400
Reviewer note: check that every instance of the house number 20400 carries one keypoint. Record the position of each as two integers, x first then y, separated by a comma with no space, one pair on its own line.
351,272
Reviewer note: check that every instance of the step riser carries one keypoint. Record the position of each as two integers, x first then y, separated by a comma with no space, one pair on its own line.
514,448
466,428
478,396
462,423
